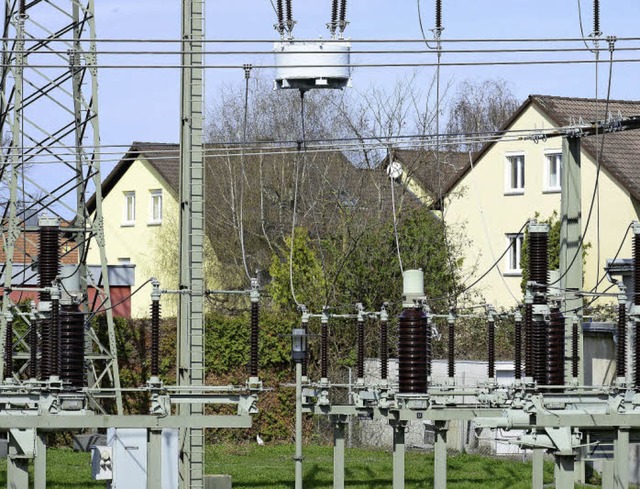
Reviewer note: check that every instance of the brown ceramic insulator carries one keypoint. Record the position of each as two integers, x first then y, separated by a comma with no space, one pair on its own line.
540,352
254,352
636,355
324,350
596,17
72,346
517,331
636,269
575,350
491,349
555,348
33,349
539,264
8,351
360,350
334,14
451,350
48,258
412,351
528,340
621,350
155,338
438,14
384,350
45,349
53,339
289,10
343,11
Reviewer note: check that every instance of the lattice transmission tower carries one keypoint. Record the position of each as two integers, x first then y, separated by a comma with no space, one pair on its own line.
50,168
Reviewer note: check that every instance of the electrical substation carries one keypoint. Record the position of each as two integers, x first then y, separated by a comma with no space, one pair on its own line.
60,372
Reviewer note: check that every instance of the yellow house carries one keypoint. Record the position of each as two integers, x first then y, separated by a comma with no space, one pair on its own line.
513,178
140,210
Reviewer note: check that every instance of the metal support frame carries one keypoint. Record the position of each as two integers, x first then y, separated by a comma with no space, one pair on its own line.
537,468
399,428
571,246
191,368
40,462
298,454
154,459
53,116
440,455
564,467
621,459
338,452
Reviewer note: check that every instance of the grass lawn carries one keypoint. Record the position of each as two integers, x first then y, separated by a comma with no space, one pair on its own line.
271,467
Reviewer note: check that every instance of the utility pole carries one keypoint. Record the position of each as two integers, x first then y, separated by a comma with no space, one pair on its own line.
192,188
571,261
571,247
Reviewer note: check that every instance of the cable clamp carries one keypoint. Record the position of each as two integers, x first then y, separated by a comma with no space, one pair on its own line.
611,40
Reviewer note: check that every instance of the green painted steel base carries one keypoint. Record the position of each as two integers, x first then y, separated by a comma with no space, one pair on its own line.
564,466
440,455
338,454
537,469
40,463
398,455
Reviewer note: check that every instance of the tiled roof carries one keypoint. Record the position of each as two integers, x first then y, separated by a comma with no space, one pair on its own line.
620,151
436,173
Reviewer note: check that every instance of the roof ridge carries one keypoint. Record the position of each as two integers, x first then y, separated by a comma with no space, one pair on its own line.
585,99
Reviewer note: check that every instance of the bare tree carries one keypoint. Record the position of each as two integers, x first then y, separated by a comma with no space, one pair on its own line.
479,107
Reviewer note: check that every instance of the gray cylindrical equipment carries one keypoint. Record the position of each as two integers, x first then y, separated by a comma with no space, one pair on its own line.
412,287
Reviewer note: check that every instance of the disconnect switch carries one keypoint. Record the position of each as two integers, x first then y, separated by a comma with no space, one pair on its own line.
101,463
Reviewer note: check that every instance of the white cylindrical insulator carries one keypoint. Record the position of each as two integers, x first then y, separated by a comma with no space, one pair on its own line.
412,286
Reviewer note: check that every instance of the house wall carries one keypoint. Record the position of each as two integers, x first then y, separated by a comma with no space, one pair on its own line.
479,203
138,242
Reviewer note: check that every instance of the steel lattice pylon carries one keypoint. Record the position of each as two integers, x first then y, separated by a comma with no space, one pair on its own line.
51,160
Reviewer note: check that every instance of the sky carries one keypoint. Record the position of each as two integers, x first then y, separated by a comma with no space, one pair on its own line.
143,104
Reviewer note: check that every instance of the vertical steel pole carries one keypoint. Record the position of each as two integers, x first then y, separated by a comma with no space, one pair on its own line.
338,452
570,245
16,155
192,187
298,455
537,469
440,455
154,459
564,476
40,462
398,454
17,466
621,459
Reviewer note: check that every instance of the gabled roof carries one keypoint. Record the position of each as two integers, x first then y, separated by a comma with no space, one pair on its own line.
164,157
344,177
435,173
620,154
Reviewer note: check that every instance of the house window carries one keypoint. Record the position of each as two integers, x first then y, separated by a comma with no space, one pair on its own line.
155,210
553,172
514,241
514,174
129,216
